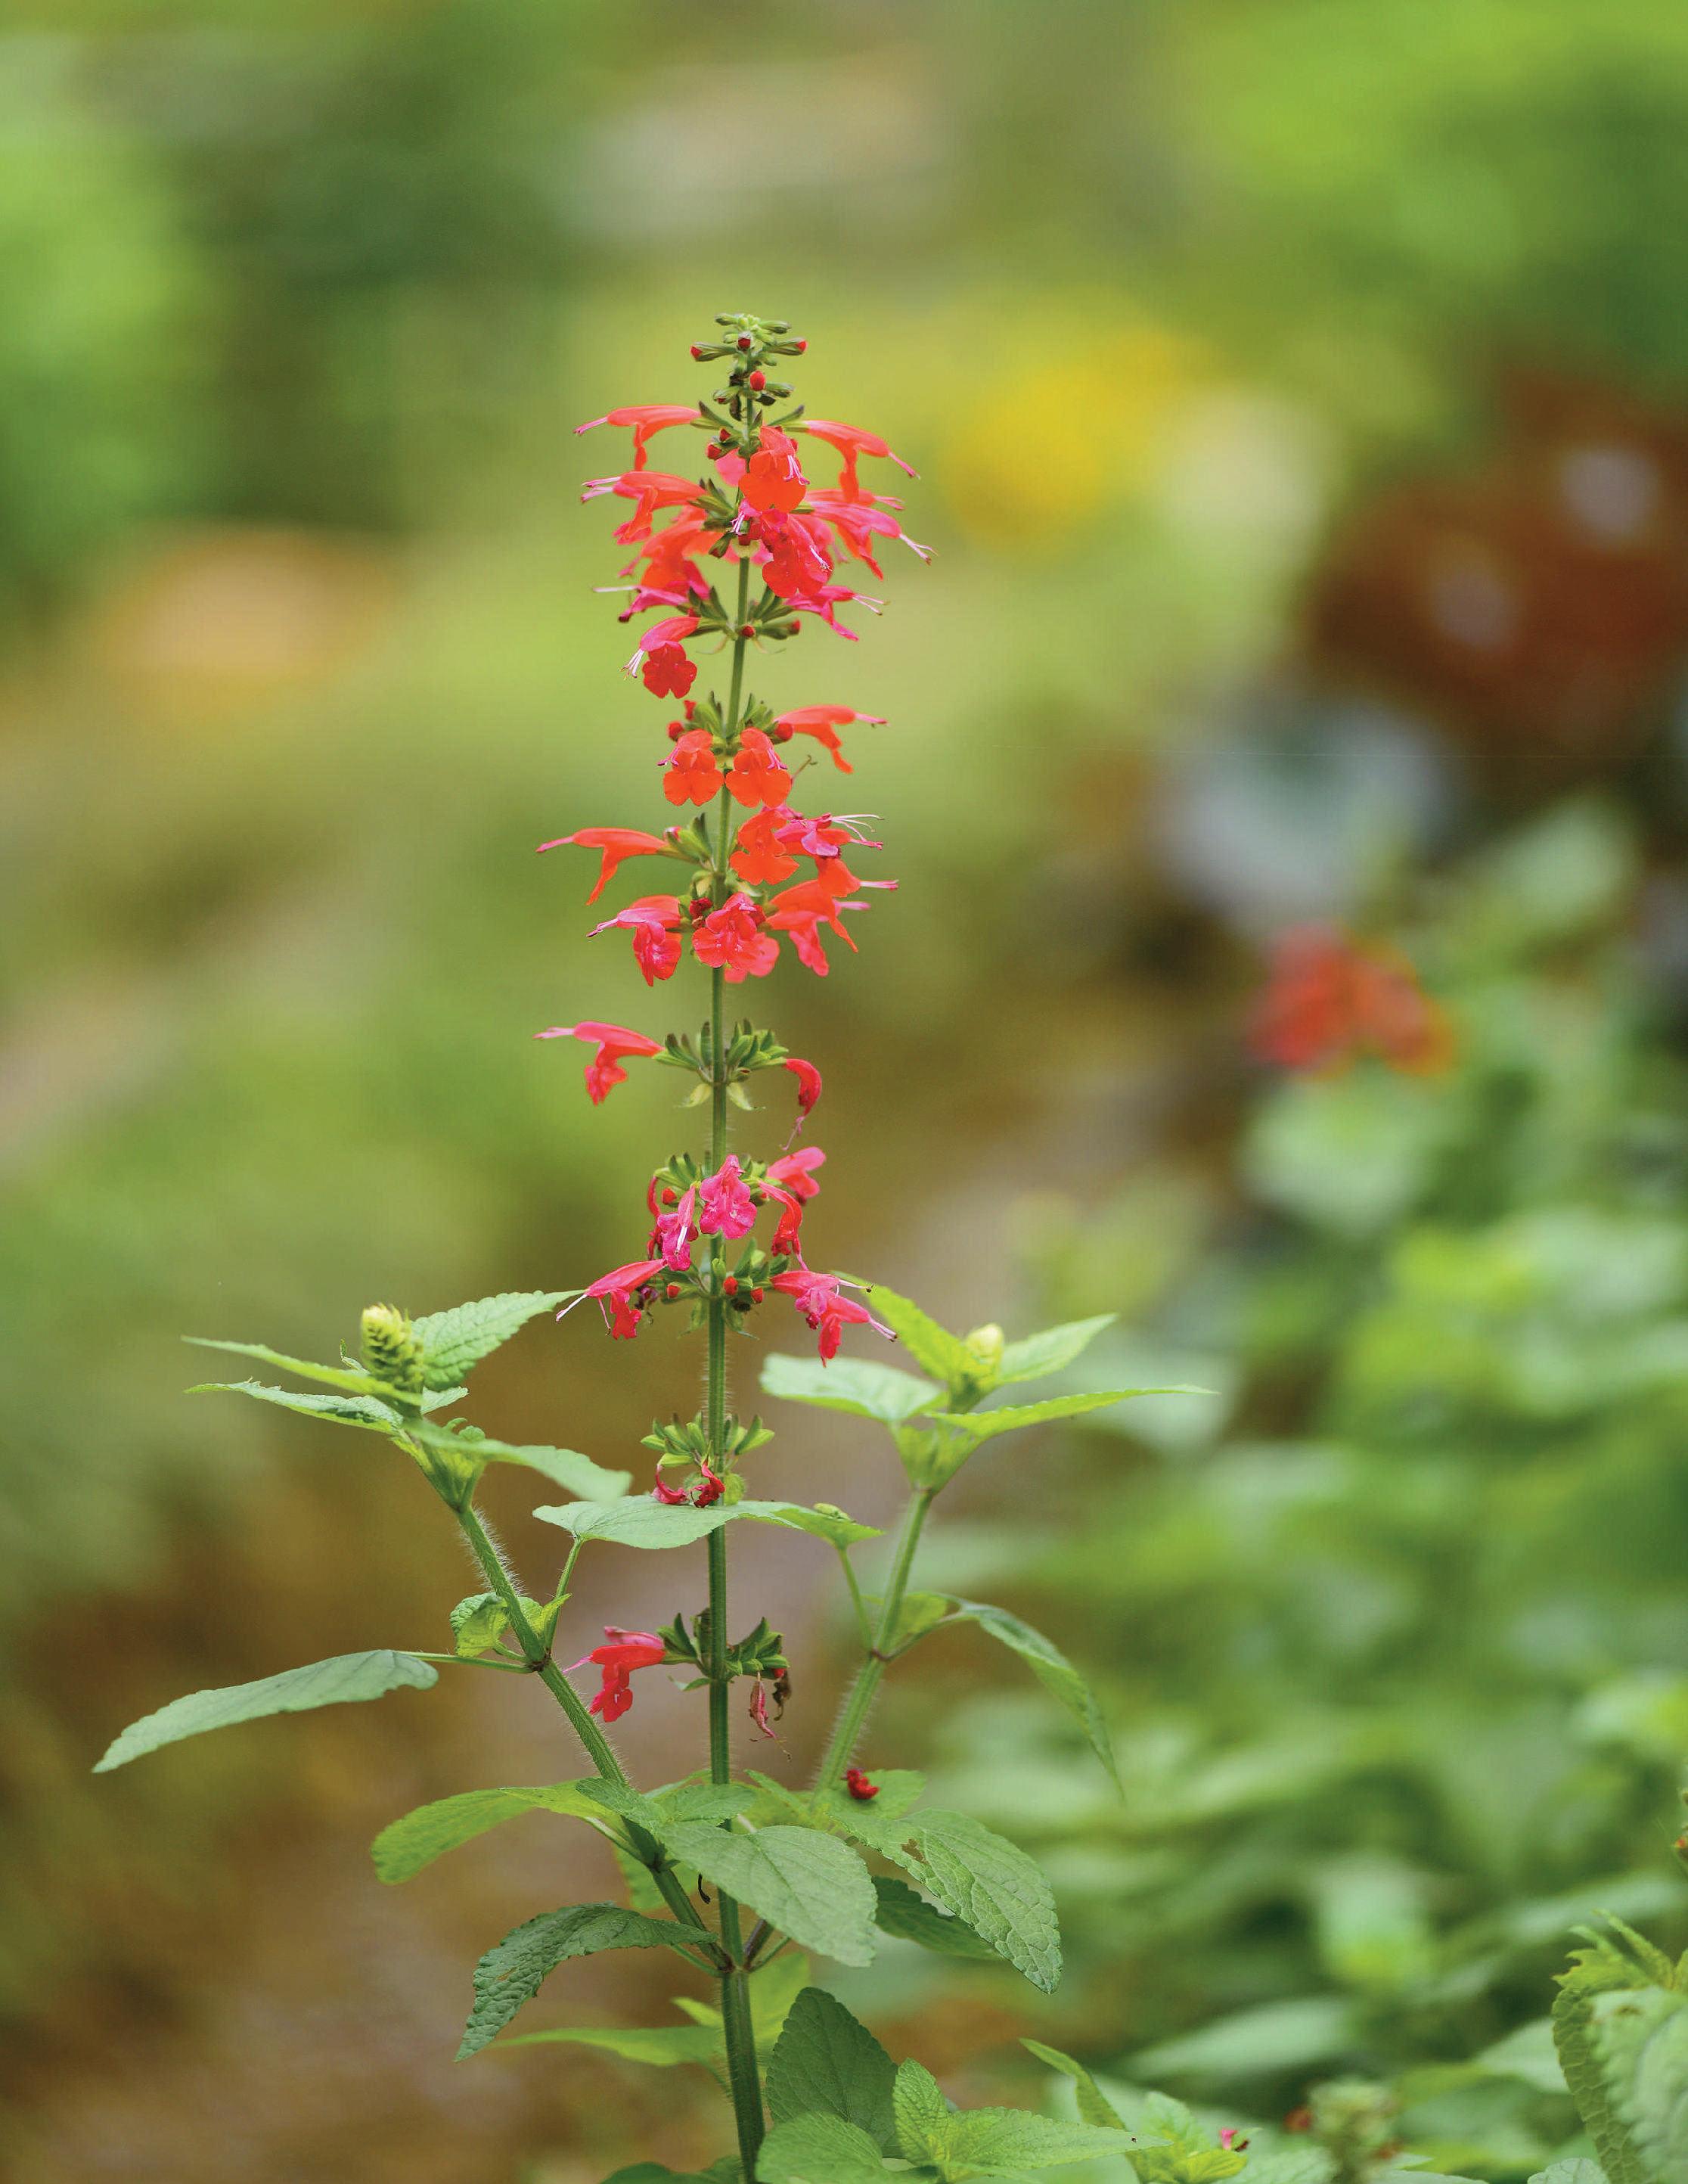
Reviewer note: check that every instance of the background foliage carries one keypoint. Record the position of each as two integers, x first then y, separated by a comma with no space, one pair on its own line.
1298,391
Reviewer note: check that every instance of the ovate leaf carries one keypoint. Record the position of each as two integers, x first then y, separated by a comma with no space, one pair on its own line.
563,1467
808,1885
1643,2040
858,1385
478,1624
1580,2171
904,1913
974,1427
641,1522
819,2149
919,2107
511,1974
1009,2141
1052,1669
407,1844
347,1677
368,1412
983,1878
824,2061
664,2045
1051,1350
1094,2106
942,1354
452,1341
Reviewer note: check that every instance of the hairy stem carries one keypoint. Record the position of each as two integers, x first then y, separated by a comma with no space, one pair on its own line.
859,1699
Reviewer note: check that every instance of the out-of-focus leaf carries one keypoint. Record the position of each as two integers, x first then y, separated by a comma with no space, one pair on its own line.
860,1386
338,1682
1051,1350
1052,1669
368,1412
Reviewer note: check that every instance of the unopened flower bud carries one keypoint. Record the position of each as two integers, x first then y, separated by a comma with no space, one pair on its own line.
671,1291
755,1296
697,353
729,1286
759,380
392,1349
987,1344
747,630
676,729
745,341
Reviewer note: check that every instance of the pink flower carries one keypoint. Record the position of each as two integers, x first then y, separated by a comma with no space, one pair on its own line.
646,418
614,1043
818,1299
617,1294
676,1233
802,911
702,1492
651,920
731,938
759,1707
728,1208
856,1783
809,1088
624,1651
795,1171
617,843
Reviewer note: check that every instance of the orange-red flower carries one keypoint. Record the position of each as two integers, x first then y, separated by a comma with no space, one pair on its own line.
652,920
731,939
617,843
757,776
691,774
758,857
646,418
823,723
852,442
773,480
623,1651
1329,999
614,1043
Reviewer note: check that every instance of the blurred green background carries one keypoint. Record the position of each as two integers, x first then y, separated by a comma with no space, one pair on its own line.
1301,394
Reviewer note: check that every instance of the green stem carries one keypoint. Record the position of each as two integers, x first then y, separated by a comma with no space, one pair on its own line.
743,2079
538,1656
859,1700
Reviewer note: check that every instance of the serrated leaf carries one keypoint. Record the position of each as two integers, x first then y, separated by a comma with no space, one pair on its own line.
819,2149
983,1878
511,1974
1593,1972
662,2046
642,1522
1050,1350
349,1378
1052,1669
405,1846
478,1624
934,1347
808,1885
859,1386
336,1682
917,2106
897,1789
563,1467
1010,2142
453,1341
1094,2105
366,1411
905,1914
825,2061
1643,2040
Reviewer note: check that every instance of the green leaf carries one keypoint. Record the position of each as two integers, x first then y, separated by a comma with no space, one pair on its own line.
653,2172
641,1522
976,1427
346,1377
808,1885
452,1341
563,1467
1594,1971
1580,2170
1294,2035
663,2046
898,1788
407,1844
1051,1350
917,1614
1094,2105
819,2149
478,1624
858,1385
368,1412
998,2142
918,2106
824,2061
337,1682
1052,1669
1643,2040
934,1347
511,1974
905,1914
984,1879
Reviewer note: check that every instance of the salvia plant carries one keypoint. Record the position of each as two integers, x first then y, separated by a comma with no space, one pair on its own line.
743,1878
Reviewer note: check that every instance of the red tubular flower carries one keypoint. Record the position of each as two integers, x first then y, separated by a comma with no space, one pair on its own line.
731,938
758,857
759,1707
616,1292
856,1783
773,479
728,1209
691,774
646,418
617,843
820,1301
702,1492
802,911
651,920
799,560
795,1171
852,442
675,1233
757,776
614,1043
808,1088
823,723
669,673
1329,1001
623,1651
